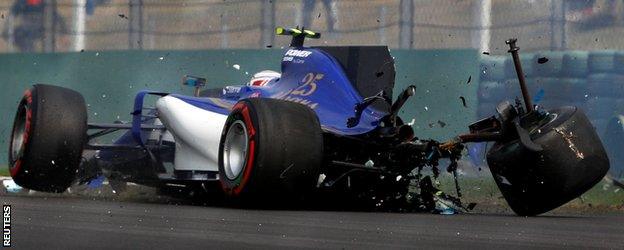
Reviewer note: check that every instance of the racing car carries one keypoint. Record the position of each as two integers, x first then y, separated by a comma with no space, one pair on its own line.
325,125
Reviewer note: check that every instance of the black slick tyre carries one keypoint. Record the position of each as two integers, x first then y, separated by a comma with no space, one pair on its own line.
270,150
571,162
49,133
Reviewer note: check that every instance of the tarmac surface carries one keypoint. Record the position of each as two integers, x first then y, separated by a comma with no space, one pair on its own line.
83,223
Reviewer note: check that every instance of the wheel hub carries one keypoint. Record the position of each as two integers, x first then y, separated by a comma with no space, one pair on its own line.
19,129
235,150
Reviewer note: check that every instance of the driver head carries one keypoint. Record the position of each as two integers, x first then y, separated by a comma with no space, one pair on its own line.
263,78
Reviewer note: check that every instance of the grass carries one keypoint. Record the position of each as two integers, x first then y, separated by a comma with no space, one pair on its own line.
4,171
604,197
604,193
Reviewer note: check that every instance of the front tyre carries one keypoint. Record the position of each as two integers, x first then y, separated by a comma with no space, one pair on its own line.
270,150
49,133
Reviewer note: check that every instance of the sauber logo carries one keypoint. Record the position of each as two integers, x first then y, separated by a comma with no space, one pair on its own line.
298,53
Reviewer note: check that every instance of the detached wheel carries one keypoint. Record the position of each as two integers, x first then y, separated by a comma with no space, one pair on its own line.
48,136
571,162
270,150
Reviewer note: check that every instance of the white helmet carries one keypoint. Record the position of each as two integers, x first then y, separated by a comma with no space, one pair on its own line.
262,78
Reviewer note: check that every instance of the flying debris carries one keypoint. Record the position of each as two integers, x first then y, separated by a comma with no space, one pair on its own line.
319,129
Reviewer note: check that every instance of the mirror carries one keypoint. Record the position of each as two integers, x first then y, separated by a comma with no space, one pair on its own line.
194,81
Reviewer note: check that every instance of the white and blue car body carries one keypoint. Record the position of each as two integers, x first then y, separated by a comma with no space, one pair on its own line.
358,144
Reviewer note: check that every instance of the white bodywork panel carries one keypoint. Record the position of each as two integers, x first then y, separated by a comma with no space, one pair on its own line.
197,133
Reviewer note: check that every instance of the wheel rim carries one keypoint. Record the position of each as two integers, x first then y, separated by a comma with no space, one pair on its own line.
19,130
235,150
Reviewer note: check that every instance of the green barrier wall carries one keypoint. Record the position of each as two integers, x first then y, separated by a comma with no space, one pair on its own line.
441,78
108,80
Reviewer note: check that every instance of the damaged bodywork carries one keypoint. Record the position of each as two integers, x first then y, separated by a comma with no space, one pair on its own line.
324,128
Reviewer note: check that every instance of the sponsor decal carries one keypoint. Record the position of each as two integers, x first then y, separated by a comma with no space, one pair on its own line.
260,82
309,84
300,100
298,53
299,95
232,90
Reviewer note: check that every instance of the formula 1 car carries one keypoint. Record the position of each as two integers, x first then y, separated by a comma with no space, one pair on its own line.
325,125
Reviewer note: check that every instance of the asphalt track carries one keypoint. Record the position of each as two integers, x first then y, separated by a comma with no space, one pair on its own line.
81,223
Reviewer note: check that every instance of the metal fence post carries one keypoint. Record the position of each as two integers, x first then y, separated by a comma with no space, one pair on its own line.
49,26
552,24
564,38
406,24
383,12
135,24
10,33
557,20
483,21
79,20
268,23
225,40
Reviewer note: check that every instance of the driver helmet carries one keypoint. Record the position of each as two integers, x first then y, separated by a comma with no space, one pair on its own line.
263,78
